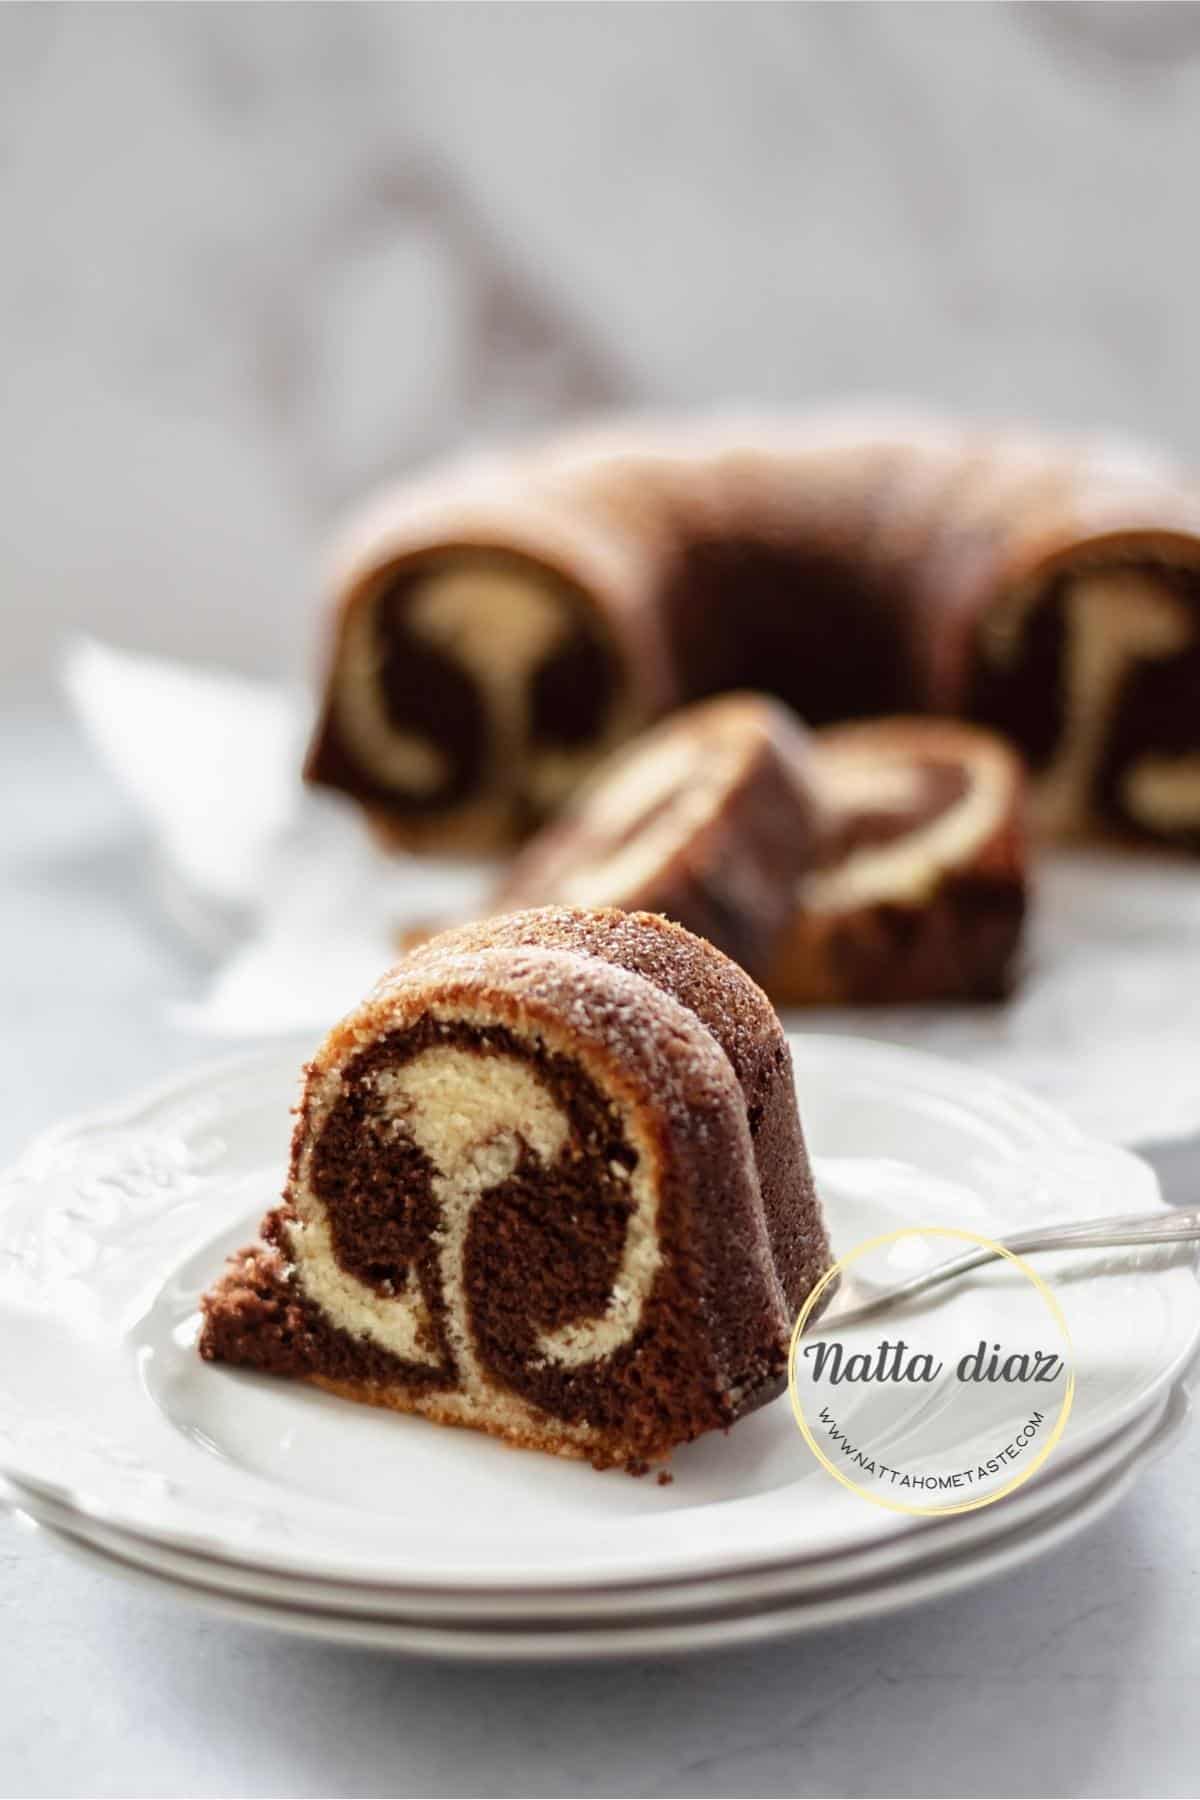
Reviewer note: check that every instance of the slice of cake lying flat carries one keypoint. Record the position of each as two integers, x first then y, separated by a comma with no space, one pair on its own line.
549,1181
711,818
922,893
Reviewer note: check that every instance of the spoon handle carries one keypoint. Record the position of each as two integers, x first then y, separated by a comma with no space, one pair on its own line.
1136,1228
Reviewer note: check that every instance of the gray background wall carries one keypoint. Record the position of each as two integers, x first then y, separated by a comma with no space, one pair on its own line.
256,256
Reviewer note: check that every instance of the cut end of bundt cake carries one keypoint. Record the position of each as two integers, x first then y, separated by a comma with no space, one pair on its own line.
548,1181
469,692
1093,670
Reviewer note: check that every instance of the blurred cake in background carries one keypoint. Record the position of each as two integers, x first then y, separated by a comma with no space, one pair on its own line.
710,818
500,627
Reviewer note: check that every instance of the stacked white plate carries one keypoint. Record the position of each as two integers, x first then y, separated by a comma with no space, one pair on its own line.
282,1506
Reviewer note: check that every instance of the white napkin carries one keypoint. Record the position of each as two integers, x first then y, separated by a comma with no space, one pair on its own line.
302,910
281,882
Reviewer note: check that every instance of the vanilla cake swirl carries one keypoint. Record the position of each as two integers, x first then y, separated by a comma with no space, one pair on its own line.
549,1181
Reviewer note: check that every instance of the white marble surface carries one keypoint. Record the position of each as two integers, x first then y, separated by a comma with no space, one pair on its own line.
1074,1677
257,255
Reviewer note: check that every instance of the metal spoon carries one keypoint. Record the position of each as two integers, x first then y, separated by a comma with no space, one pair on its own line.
859,1299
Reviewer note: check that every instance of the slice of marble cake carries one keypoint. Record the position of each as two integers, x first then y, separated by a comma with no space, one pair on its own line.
549,1181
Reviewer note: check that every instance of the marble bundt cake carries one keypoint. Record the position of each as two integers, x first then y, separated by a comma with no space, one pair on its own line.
711,817
499,628
548,1180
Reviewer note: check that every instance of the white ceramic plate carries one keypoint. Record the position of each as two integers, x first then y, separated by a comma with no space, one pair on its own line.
111,1227
938,1542
654,1632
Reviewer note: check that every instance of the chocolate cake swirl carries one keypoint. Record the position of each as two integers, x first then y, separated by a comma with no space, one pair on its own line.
547,1181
